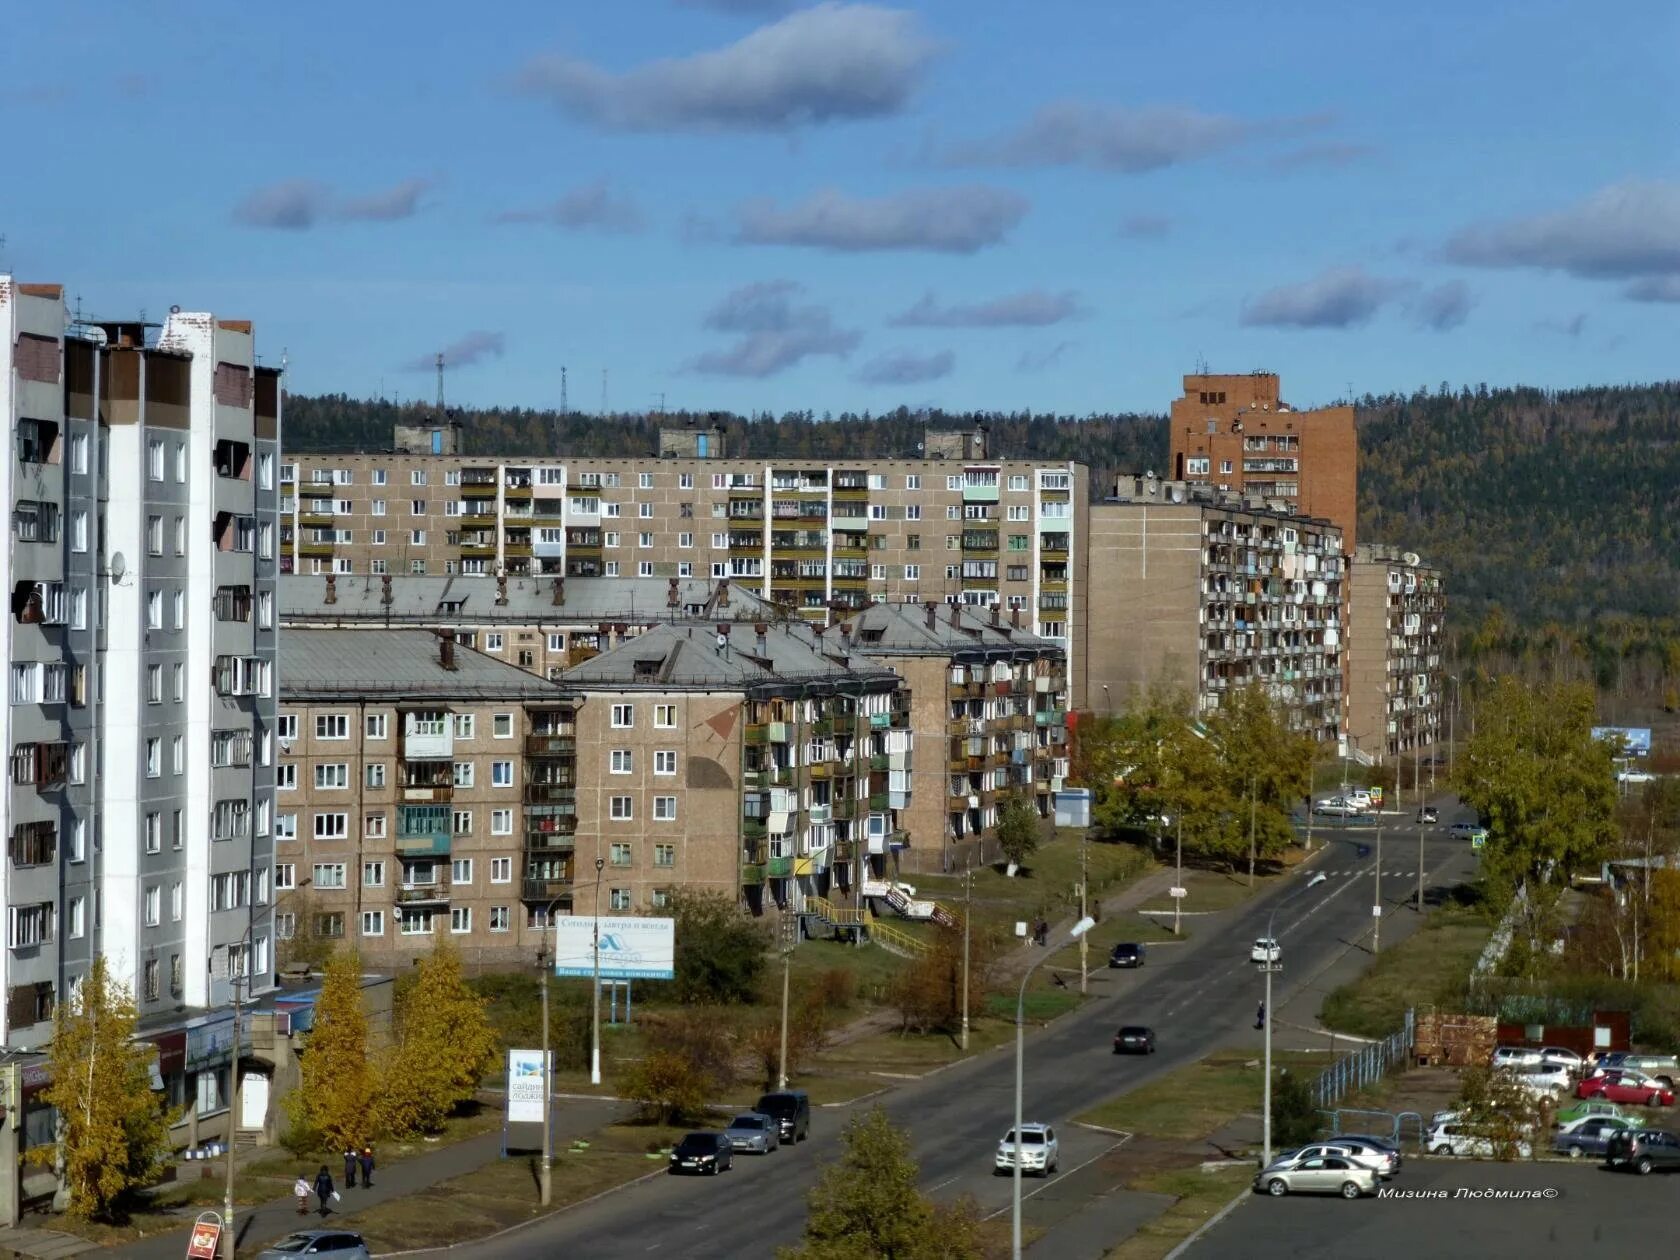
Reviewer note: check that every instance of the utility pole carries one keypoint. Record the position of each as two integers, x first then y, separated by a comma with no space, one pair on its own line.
1376,900
1253,805
1178,902
1420,827
781,1070
968,914
233,1104
595,1004
1084,945
1266,1092
545,1180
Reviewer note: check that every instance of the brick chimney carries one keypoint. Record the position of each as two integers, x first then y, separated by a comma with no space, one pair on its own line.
332,589
761,630
723,594
501,590
672,599
929,608
846,636
446,650
559,599
1015,617
997,615
385,596
956,615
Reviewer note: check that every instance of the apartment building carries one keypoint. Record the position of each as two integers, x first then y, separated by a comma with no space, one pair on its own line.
1395,670
957,525
1200,590
143,488
993,698
425,789
541,624
767,761
1235,433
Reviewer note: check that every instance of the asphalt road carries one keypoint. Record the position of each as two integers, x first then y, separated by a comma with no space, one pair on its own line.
1579,1209
1197,997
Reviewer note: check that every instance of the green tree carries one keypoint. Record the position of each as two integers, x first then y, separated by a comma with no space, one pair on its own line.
1494,1106
867,1206
113,1131
1017,827
1546,789
335,1100
1267,768
1295,1119
670,1087
444,1046
720,952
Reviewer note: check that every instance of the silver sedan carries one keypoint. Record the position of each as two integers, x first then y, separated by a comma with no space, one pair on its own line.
755,1133
1318,1174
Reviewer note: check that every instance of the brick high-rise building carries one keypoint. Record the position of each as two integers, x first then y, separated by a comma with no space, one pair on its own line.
1395,668
1235,432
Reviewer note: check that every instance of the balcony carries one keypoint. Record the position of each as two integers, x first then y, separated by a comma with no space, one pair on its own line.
428,794
752,874
779,867
550,793
477,520
550,819
316,550
478,489
315,490
550,745
435,893
315,520
545,889
548,843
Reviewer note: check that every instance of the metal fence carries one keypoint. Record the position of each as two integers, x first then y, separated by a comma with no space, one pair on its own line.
1365,1066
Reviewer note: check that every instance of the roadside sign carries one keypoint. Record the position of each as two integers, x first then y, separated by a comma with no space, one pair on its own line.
206,1236
1177,892
1478,841
1376,912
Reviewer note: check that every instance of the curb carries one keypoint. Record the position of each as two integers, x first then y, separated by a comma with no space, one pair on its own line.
1208,1224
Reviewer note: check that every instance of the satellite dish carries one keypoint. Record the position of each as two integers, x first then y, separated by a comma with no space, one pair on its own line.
119,566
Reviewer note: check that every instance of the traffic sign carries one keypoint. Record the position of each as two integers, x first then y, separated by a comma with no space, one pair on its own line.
1376,912
1177,892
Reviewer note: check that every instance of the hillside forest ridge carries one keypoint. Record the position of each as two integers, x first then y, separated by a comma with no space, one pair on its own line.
1558,514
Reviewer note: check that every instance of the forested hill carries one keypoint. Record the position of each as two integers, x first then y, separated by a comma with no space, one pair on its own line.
1560,510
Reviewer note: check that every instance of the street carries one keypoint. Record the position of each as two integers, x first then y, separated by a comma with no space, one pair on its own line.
1197,996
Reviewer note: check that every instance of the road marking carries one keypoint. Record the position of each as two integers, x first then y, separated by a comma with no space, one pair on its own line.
944,1183
1119,1133
1050,1181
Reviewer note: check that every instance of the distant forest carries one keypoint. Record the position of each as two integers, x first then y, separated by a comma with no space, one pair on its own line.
1556,516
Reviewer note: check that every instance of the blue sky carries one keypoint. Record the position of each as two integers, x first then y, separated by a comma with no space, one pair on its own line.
747,204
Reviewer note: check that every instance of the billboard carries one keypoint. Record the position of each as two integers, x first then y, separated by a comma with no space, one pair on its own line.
1630,741
632,948
525,1087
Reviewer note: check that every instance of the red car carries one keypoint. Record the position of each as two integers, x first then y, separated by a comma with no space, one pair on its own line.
1626,1087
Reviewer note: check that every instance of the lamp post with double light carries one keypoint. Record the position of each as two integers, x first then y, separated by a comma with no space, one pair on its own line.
595,1003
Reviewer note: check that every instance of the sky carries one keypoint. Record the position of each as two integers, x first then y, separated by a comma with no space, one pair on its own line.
757,205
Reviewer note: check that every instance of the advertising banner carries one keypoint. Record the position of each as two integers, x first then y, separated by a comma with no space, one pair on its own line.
632,948
525,1087
1631,741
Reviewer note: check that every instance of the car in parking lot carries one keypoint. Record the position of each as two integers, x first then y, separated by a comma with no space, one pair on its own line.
1265,950
1383,1161
1514,1057
1134,1039
1456,1137
1543,1084
707,1153
754,1133
338,1243
1623,1085
1631,775
1317,1174
1127,954
1643,1150
1584,1109
1558,1056
1590,1136
1468,831
1040,1151
1663,1067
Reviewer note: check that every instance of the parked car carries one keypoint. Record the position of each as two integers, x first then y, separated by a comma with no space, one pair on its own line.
340,1243
708,1153
1558,1056
1127,954
791,1109
1457,1138
1359,798
1039,1150
1265,950
1383,1162
1428,816
754,1132
1631,775
1380,1143
1336,807
1664,1067
1544,1084
1514,1057
1622,1085
1134,1039
1576,1112
1468,831
1318,1174
1643,1150
1590,1136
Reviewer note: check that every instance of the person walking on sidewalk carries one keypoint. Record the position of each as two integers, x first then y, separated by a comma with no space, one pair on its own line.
324,1190
367,1167
1260,1016
350,1167
301,1189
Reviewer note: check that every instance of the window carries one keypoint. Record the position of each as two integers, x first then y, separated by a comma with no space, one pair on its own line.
460,918
620,853
154,910
501,870
79,453
154,758
621,809
181,538
331,925
154,535
1195,467
373,923
460,871
464,723
621,761
332,726
611,568
230,819
463,774
286,727
664,809
913,482
665,717
417,477
376,774
285,926
285,777
154,684
329,875
501,822
501,774
285,826
154,459
376,726
501,725
177,902
332,826
285,875
492,641
619,899
154,610
373,874
332,776
623,716
463,822
499,918
665,761
415,923
665,855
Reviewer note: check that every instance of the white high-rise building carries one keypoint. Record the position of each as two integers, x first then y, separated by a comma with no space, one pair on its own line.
140,647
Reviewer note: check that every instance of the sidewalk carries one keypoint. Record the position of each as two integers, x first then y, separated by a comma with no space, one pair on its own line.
260,1224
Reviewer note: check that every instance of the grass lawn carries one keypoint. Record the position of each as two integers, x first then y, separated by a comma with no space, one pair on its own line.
1200,1196
913,1054
1432,966
505,1193
1196,1100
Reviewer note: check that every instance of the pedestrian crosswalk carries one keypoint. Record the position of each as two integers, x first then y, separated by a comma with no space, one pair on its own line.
1366,871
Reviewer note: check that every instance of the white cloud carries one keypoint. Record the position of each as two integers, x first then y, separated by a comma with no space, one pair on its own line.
594,205
776,331
1342,297
1108,137
958,220
903,367
1033,308
1627,231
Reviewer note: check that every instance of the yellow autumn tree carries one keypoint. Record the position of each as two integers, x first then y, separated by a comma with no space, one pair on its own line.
334,1103
113,1132
445,1044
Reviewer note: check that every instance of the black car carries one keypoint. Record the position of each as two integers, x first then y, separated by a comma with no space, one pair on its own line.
1127,954
1134,1039
1427,816
791,1110
709,1153
1643,1150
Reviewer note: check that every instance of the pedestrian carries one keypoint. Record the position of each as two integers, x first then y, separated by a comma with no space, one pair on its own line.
1260,1016
324,1190
367,1167
301,1189
350,1167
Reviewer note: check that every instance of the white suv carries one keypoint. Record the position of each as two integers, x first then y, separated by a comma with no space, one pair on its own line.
1457,1138
1039,1150
1546,1083
1265,950
1518,1058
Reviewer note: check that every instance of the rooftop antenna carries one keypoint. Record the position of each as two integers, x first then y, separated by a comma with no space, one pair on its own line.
563,409
603,393
2,251
440,384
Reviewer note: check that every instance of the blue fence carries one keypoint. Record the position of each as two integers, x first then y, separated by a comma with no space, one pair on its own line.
1365,1066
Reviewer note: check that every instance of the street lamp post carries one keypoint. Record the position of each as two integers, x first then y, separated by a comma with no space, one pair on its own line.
781,1067
1376,900
1079,929
1178,846
595,1003
968,904
1269,967
233,1087
1084,910
1452,727
545,1181
1253,804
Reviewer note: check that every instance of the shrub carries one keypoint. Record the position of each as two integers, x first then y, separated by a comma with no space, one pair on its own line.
1295,1120
720,952
669,1088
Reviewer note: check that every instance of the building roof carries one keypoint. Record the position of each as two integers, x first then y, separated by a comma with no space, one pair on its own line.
1134,490
392,665
687,656
944,630
360,598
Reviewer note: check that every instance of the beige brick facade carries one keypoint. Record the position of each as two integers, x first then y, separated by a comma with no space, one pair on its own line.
1395,668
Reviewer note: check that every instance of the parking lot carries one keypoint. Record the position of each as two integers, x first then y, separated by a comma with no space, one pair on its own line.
1445,1209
